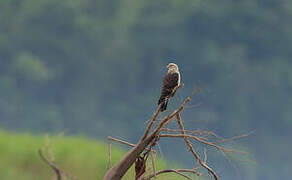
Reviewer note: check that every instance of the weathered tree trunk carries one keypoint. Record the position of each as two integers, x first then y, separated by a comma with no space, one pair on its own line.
119,170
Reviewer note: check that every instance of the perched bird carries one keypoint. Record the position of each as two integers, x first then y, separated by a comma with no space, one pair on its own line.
169,85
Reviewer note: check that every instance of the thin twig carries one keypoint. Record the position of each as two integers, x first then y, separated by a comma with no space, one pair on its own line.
201,141
235,137
51,164
109,154
126,143
153,164
58,171
205,155
169,117
177,171
49,151
154,116
197,131
188,143
175,89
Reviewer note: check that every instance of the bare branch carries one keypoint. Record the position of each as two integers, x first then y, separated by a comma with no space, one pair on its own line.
118,171
150,138
201,133
176,88
51,164
205,155
188,143
151,122
126,143
153,164
177,171
154,116
235,137
58,171
202,141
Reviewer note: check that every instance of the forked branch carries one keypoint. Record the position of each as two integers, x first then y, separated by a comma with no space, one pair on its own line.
188,143
56,169
150,138
177,171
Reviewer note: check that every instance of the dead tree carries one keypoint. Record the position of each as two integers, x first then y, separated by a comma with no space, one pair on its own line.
140,152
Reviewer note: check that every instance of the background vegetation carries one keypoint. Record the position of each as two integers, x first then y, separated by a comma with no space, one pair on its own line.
94,67
80,157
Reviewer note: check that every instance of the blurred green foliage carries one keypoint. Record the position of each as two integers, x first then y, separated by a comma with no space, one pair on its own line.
80,157
95,67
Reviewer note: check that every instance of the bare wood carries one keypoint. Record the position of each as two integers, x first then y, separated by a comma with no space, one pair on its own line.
188,143
126,143
235,137
153,164
51,164
202,141
176,88
154,116
118,171
150,164
197,131
177,171
205,155
48,149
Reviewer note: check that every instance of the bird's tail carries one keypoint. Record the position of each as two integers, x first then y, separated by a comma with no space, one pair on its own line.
163,104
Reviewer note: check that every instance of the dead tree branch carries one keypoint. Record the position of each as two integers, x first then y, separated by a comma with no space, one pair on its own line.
177,171
153,164
201,141
50,161
52,165
118,171
125,143
235,137
140,151
188,143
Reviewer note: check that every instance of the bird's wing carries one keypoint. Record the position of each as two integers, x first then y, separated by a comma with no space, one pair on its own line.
170,81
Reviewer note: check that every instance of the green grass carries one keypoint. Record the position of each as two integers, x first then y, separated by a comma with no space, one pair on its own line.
82,157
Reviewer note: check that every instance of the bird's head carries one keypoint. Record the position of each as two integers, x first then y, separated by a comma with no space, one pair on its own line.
172,67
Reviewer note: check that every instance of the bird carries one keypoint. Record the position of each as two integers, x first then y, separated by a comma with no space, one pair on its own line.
170,83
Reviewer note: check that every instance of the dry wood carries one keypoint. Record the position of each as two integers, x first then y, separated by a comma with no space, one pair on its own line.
151,123
52,165
149,140
202,141
125,143
153,164
50,161
177,171
188,143
235,137
141,151
118,171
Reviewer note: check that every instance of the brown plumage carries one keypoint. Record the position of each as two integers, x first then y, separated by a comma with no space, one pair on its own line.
170,81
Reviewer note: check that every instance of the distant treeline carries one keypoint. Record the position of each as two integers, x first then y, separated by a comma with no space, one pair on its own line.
95,67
